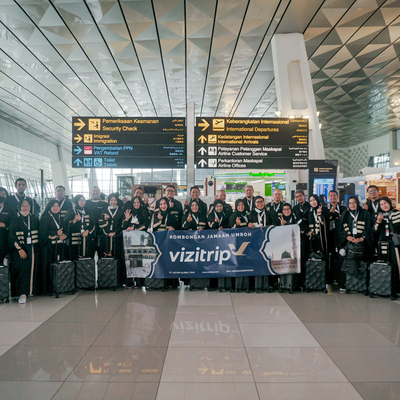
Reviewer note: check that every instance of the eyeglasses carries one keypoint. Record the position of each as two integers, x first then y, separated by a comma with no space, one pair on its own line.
372,191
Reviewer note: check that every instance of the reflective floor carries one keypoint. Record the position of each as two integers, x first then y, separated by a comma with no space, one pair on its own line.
200,345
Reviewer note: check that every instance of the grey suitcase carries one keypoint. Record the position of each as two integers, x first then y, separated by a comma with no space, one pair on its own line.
107,273
261,284
199,283
358,283
4,284
315,275
154,284
85,273
287,282
225,284
242,283
380,279
62,275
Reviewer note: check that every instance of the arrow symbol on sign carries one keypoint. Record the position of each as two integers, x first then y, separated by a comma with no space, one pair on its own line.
78,138
203,125
78,150
202,151
77,161
202,139
202,163
81,124
203,369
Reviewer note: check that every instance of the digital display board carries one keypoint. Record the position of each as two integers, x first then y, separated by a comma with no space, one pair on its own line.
322,176
244,143
128,142
323,186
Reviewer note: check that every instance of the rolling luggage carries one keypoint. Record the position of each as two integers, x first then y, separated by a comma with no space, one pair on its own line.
315,273
62,275
358,282
261,283
242,283
85,270
287,282
225,284
107,270
154,284
4,284
383,251
380,279
199,283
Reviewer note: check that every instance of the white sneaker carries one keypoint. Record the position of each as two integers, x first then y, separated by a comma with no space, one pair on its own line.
22,299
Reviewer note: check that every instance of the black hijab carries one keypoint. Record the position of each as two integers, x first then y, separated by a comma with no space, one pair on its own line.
387,201
240,213
76,202
289,219
198,208
358,209
49,206
164,213
3,199
258,210
219,214
136,211
316,197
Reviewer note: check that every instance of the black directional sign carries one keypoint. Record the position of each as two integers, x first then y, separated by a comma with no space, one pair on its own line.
244,143
128,142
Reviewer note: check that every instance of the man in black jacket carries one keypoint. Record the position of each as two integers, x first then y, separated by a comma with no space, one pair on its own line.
276,207
195,195
227,207
249,199
372,204
14,200
175,206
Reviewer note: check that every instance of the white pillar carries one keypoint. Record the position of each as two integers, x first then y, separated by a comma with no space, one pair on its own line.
59,171
190,123
294,87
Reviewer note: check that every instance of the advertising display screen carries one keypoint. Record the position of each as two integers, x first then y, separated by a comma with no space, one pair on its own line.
323,186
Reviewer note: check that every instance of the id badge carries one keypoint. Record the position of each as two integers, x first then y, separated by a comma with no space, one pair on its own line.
354,231
257,225
332,225
82,230
28,240
387,232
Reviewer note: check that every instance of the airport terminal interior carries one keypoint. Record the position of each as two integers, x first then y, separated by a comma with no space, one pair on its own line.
277,95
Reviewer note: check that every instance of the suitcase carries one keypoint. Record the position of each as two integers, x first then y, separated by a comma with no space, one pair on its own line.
199,283
261,283
4,284
242,283
154,284
358,283
315,275
62,275
85,273
380,279
287,282
107,273
225,284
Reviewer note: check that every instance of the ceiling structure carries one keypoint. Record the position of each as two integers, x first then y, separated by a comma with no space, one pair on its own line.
65,58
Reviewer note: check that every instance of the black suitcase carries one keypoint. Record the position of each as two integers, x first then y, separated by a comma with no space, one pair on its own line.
62,275
107,273
85,273
4,284
287,282
225,284
315,275
242,283
358,283
261,283
380,279
383,251
199,283
154,284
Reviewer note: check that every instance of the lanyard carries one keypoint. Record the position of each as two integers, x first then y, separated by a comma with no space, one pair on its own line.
261,217
250,204
28,225
61,205
277,207
196,219
316,222
220,220
1,209
109,210
375,207
17,198
57,224
355,217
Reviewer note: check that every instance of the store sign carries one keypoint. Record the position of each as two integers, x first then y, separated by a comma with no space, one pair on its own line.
244,143
125,142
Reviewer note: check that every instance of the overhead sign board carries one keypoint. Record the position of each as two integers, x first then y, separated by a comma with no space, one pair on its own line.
245,143
128,142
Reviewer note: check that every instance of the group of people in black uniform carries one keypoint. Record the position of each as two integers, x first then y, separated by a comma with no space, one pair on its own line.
69,230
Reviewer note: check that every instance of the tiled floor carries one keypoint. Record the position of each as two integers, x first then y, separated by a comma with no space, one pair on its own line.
196,345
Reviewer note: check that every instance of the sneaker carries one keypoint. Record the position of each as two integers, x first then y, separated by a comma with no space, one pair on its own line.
22,299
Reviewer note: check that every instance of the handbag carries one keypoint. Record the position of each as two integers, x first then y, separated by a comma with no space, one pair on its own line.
355,250
350,266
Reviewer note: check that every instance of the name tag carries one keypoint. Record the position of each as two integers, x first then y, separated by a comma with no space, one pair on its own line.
354,231
28,240
82,230
332,225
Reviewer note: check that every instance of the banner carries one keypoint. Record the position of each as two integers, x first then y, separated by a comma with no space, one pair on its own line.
213,253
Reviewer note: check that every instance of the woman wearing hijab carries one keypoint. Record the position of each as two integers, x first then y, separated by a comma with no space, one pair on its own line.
316,228
288,218
259,217
5,219
217,218
51,240
388,223
79,228
239,218
110,228
24,249
194,220
136,216
163,220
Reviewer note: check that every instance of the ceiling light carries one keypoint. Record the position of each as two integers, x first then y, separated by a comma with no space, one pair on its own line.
305,116
320,126
278,113
317,113
291,116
